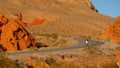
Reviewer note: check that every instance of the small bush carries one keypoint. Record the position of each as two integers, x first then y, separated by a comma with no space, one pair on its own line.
52,35
70,55
106,39
50,61
88,66
111,64
33,48
61,42
6,62
91,48
64,64
118,47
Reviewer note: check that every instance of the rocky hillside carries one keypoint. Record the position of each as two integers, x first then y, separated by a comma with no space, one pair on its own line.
112,32
62,17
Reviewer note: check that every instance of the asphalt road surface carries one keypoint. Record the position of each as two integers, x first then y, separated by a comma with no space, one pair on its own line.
81,44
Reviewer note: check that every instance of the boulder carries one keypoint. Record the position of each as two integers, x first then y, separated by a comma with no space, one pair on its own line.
14,36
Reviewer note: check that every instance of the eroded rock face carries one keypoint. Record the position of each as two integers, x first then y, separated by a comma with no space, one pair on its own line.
18,19
13,35
36,22
113,31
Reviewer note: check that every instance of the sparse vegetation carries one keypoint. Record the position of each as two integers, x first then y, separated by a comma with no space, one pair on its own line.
70,55
64,64
92,49
50,60
62,42
88,66
118,47
6,62
59,43
33,48
106,39
49,37
53,35
53,40
111,64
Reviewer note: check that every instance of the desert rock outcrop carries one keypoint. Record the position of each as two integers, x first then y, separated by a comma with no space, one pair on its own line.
36,22
113,31
18,18
13,36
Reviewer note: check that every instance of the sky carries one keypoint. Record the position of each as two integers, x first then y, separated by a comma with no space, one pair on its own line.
108,7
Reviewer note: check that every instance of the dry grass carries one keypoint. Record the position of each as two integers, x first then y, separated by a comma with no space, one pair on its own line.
111,64
55,63
6,62
92,49
64,64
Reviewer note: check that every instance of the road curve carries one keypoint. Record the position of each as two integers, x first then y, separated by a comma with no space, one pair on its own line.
81,44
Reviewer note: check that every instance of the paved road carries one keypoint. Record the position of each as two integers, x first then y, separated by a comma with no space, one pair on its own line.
81,43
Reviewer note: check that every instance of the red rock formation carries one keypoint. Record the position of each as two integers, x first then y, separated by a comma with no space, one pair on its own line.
113,31
36,22
13,35
18,19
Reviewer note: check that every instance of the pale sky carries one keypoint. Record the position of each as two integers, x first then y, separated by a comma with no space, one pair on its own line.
108,7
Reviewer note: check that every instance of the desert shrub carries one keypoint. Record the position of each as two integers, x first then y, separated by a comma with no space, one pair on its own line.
86,37
52,35
50,60
60,64
106,39
118,43
92,49
21,64
55,36
118,47
89,37
83,36
62,42
59,43
70,55
33,48
89,66
6,62
111,64
64,64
